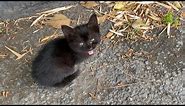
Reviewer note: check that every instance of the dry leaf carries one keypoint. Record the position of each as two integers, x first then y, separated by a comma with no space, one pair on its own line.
92,95
119,23
139,24
147,37
102,19
58,20
109,34
89,4
5,93
120,5
183,15
129,53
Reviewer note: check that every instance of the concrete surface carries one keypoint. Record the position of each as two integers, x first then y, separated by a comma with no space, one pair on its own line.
155,77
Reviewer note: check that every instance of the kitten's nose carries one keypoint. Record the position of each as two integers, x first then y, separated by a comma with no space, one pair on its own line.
89,47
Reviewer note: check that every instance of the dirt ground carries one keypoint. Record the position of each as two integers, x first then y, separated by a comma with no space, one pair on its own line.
154,74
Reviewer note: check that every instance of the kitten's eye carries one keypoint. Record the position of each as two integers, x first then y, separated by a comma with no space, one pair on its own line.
81,44
92,40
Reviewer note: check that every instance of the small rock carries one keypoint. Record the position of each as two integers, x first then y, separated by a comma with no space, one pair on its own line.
146,62
155,62
148,68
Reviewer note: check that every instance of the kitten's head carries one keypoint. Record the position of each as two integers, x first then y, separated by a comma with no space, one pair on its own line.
83,38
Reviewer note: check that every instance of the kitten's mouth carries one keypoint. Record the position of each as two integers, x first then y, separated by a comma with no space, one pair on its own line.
90,52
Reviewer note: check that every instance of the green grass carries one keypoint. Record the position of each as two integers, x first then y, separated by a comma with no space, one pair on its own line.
168,18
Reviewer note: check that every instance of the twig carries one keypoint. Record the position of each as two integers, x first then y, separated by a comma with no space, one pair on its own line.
147,11
146,2
19,56
133,77
125,85
154,17
78,21
122,30
3,55
125,17
164,5
162,31
16,21
2,23
120,34
133,16
141,13
57,9
120,86
100,9
168,29
96,87
114,17
46,13
34,22
48,37
138,6
7,27
172,6
36,31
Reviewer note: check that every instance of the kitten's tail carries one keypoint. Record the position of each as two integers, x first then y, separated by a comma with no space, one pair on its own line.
68,79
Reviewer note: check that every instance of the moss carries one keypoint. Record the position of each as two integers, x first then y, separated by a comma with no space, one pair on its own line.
168,18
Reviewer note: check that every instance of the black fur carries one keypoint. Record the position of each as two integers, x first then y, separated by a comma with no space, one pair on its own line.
54,64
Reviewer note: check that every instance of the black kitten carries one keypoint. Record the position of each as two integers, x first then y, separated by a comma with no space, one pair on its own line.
54,64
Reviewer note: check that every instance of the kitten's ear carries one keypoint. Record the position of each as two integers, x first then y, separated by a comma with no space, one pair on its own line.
68,31
93,23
